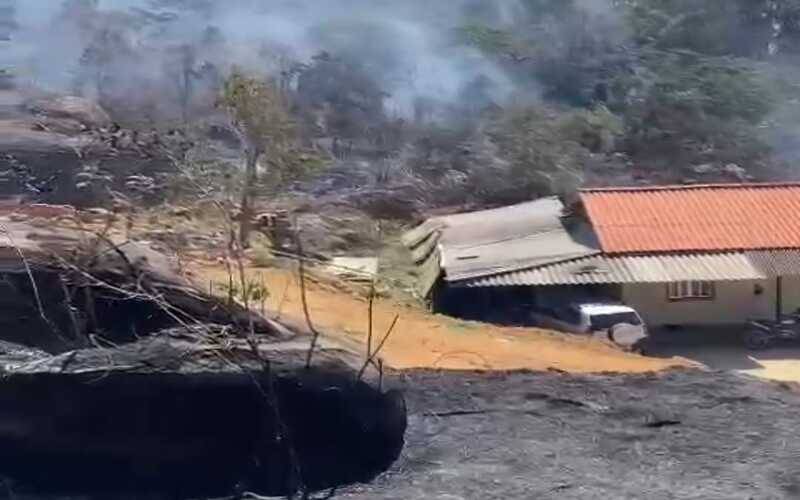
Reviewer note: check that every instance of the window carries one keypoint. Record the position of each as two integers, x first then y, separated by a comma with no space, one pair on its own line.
689,290
605,321
571,315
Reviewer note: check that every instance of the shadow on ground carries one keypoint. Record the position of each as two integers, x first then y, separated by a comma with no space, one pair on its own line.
721,348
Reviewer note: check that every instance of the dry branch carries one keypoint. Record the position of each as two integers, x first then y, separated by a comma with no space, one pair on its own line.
301,269
371,357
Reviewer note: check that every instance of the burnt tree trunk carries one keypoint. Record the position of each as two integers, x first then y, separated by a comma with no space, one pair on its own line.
247,212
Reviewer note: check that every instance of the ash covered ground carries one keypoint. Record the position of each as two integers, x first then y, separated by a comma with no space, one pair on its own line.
678,435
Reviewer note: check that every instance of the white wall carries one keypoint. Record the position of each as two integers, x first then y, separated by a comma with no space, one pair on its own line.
734,302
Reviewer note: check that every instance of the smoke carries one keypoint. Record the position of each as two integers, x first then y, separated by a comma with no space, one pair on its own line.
407,47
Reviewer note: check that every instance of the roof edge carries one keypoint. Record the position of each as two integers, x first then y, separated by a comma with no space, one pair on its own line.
689,187
697,251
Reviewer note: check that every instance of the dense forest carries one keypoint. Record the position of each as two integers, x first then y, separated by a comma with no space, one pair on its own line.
483,102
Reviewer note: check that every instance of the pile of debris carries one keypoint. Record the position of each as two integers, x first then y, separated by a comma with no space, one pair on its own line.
121,377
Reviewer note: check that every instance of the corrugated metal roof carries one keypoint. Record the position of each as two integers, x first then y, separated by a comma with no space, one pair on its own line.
492,258
776,262
630,269
500,240
722,217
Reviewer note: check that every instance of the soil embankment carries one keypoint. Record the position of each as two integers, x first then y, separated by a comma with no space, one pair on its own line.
423,340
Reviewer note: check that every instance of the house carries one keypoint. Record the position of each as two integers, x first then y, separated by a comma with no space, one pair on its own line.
680,255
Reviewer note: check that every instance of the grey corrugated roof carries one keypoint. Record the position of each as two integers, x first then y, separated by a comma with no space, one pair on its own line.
634,269
552,246
776,262
500,240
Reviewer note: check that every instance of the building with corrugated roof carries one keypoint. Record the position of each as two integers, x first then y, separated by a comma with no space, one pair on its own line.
693,254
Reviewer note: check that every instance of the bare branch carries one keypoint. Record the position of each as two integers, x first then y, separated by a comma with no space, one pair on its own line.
4,230
369,318
378,349
301,269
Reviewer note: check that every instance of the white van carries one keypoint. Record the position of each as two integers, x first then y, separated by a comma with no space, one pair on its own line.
616,322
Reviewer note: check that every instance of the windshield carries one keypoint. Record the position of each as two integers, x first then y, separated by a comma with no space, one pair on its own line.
605,321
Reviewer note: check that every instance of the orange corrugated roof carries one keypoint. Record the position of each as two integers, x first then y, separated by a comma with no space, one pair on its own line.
712,217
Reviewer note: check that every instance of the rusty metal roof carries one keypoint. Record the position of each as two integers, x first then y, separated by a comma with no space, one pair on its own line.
709,218
633,269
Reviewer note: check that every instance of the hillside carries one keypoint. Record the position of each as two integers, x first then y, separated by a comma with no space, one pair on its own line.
423,340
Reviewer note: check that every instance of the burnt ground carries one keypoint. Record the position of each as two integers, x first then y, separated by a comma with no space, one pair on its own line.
678,435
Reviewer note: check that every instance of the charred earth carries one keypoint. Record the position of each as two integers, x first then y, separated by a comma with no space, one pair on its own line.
682,434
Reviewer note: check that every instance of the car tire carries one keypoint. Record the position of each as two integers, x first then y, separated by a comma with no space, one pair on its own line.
626,335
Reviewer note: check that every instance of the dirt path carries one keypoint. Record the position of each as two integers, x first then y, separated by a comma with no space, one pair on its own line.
423,340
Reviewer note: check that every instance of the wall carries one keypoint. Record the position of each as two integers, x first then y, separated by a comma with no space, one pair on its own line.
735,302
791,294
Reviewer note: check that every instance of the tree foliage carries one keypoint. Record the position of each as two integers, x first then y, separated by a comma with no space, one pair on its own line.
259,115
258,112
668,83
543,159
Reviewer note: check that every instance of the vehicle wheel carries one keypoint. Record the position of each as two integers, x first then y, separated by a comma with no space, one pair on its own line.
626,336
756,340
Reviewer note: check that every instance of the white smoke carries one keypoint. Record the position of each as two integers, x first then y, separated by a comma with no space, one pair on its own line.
407,46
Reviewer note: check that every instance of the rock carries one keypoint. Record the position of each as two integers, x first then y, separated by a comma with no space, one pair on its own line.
46,144
76,108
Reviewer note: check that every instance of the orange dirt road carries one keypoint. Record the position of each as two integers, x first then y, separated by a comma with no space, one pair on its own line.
424,340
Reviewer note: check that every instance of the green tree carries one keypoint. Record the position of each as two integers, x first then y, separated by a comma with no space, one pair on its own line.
542,158
743,28
691,108
260,117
